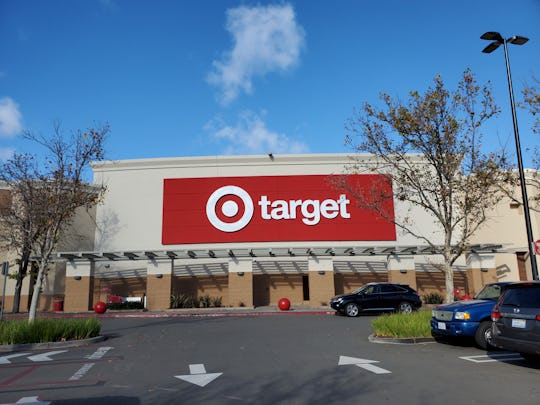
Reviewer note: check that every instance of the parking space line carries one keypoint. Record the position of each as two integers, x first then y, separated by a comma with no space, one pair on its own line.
97,355
81,372
488,358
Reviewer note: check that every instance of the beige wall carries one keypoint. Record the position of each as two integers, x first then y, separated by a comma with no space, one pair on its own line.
130,218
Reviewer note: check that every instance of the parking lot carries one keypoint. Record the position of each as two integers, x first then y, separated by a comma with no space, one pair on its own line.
292,359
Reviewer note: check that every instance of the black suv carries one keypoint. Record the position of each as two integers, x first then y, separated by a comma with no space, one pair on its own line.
377,297
516,320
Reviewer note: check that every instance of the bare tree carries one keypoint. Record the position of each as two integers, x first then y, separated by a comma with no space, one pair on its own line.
429,149
46,193
530,103
18,227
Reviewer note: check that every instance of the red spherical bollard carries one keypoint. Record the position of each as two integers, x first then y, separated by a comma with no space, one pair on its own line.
100,307
284,304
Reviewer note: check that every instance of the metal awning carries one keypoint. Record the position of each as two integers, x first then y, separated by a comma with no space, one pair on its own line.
269,252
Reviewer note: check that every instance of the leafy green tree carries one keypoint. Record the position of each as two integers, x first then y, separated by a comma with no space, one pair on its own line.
430,150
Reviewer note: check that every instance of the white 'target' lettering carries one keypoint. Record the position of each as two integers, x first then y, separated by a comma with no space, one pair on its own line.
310,210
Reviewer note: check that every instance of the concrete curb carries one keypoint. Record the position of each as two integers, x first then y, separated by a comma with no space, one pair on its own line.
178,313
389,340
51,345
213,314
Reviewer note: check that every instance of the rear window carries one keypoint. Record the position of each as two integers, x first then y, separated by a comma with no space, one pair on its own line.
522,297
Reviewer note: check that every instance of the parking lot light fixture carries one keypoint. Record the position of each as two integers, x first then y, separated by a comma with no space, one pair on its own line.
497,40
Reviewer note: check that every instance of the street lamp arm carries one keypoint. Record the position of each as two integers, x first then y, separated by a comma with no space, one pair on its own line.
491,47
492,36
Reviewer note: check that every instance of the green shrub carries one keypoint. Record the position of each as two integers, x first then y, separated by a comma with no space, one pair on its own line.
204,301
398,325
183,301
187,301
433,298
47,330
216,302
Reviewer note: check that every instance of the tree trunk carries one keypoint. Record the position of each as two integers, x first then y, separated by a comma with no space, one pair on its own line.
37,292
23,268
448,281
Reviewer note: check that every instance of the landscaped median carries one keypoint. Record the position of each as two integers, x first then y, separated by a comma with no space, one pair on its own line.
48,331
402,328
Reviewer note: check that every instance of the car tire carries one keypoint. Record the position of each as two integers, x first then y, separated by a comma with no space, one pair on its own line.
405,307
482,336
352,309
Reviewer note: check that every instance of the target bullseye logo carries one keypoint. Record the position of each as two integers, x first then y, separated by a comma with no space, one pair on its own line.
229,208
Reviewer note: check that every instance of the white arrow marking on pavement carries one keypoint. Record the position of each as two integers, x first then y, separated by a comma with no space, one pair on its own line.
45,356
374,369
30,400
488,358
99,353
362,363
198,376
5,359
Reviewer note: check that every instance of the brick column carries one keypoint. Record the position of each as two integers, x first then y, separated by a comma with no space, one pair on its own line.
241,282
401,269
321,281
159,284
79,286
480,271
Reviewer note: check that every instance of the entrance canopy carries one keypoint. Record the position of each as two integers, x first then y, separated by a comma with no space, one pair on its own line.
269,252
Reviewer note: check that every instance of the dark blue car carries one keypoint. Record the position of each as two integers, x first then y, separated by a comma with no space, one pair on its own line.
469,318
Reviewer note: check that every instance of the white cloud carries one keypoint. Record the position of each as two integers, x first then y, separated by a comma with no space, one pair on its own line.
251,136
266,39
10,117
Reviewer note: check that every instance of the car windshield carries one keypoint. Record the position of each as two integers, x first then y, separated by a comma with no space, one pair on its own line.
489,292
365,289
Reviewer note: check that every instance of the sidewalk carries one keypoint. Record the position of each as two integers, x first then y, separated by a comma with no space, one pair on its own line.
183,313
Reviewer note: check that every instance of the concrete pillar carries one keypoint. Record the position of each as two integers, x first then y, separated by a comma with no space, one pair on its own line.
79,286
321,281
401,269
159,284
241,282
480,271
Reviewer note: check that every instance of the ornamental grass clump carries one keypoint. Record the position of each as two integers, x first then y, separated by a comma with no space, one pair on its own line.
47,330
398,325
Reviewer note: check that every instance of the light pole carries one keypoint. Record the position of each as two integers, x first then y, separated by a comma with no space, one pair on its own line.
498,40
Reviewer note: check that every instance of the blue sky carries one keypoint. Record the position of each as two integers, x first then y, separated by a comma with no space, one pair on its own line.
201,77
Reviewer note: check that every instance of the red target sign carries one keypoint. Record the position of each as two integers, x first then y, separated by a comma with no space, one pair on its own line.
268,208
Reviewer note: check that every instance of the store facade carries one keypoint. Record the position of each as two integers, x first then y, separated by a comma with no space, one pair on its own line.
249,230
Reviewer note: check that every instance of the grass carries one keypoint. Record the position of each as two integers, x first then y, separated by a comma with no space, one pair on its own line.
399,325
47,330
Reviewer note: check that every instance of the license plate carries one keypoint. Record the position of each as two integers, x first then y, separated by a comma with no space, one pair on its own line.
518,323
441,325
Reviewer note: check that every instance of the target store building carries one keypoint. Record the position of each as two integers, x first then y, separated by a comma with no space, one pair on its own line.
249,230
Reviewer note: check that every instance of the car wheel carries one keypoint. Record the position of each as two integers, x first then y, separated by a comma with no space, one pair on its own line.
482,335
405,307
352,309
